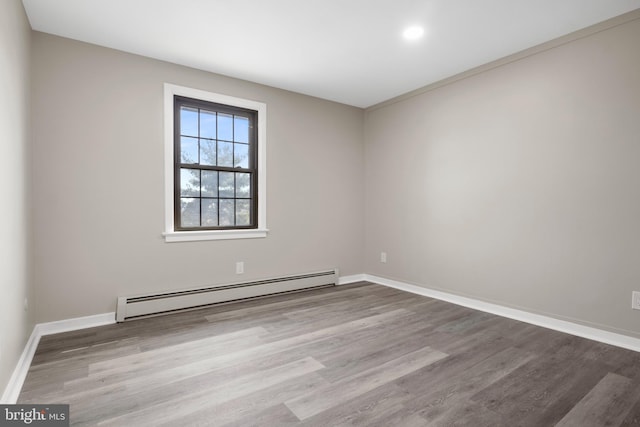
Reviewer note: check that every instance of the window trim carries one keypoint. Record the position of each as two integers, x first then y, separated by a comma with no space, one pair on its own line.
172,235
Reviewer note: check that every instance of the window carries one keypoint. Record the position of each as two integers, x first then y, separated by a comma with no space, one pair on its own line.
215,166
215,145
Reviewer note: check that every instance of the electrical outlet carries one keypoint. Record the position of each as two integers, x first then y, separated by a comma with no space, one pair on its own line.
239,267
383,257
26,304
635,300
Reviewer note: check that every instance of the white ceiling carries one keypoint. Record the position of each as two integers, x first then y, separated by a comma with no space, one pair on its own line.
350,51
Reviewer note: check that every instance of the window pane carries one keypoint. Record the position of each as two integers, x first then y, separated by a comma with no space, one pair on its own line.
188,150
189,212
189,182
226,212
209,184
189,121
240,129
209,212
243,216
207,152
241,156
225,154
215,185
225,126
207,124
226,185
243,185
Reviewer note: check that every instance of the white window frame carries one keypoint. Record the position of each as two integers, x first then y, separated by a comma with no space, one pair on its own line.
170,234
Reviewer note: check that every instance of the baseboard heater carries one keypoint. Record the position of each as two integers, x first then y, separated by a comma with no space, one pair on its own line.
155,304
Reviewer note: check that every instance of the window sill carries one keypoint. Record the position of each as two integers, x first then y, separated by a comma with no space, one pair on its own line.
194,236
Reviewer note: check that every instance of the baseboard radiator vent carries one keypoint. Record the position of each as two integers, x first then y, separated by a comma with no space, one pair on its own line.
155,304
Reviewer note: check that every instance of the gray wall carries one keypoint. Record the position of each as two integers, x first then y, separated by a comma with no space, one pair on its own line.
519,185
99,192
16,323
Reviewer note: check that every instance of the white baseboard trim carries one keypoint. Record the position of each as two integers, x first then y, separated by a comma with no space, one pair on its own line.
345,280
612,338
12,391
76,323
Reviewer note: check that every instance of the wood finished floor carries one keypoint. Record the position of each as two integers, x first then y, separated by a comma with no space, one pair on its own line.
359,354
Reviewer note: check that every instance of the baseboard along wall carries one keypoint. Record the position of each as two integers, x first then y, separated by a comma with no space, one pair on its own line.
12,391
14,386
572,328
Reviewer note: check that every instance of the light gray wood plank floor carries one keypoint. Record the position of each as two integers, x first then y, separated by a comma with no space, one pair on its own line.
360,354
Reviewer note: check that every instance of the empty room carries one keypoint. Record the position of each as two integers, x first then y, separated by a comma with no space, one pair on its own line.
274,213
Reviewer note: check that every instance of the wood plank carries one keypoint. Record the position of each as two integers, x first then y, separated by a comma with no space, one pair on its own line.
607,404
543,390
168,384
633,417
278,415
441,402
313,403
364,410
361,355
211,394
254,405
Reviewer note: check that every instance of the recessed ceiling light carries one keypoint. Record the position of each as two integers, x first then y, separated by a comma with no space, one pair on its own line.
413,33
